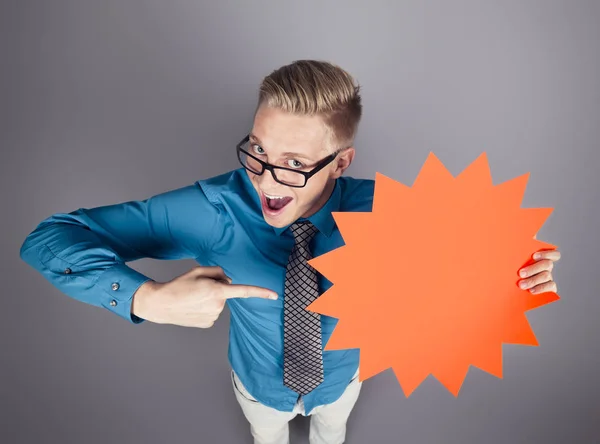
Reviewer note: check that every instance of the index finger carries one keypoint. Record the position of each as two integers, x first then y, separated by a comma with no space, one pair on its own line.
248,291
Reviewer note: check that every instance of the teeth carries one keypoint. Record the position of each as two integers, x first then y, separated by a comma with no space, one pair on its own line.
273,197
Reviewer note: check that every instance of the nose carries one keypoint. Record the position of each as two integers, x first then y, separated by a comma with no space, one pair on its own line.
266,181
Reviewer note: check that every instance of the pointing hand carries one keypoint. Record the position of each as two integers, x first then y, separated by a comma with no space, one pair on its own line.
194,299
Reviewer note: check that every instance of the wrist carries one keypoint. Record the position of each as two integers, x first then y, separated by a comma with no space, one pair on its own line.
144,302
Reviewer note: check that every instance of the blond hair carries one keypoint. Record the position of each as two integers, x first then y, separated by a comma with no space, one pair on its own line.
311,87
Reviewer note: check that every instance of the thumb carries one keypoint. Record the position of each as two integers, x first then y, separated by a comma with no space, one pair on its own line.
248,291
216,273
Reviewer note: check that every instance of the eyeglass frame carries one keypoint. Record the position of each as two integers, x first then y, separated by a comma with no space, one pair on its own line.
267,166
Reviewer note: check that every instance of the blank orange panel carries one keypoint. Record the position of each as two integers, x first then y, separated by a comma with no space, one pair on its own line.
426,283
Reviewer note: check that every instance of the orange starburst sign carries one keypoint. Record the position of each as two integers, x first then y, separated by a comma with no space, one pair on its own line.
426,282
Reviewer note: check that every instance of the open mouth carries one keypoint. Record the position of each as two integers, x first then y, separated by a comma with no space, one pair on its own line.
274,204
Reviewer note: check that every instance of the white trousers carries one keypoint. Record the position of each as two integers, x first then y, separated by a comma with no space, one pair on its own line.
271,426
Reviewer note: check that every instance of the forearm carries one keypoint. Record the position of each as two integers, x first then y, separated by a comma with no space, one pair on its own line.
78,263
85,253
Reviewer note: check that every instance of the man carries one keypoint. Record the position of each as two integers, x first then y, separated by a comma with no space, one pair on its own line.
252,231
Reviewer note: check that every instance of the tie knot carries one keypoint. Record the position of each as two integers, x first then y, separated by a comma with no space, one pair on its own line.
303,232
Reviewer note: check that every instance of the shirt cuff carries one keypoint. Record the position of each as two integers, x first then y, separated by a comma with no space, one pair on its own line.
118,284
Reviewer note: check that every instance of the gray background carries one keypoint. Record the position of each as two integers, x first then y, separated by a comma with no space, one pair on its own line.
107,101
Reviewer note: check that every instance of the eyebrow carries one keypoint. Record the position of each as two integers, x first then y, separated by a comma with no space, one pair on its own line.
286,154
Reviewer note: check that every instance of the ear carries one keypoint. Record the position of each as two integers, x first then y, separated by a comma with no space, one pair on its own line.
343,161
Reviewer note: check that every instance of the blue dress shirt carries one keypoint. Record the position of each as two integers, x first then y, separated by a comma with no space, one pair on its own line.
217,221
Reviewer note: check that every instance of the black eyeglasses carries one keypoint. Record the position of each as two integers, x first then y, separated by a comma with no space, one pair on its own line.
285,176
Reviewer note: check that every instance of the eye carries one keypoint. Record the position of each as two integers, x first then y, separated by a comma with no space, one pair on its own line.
258,149
293,163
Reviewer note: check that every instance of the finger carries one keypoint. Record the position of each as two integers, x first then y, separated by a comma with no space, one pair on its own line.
552,255
545,287
248,291
215,272
537,267
540,278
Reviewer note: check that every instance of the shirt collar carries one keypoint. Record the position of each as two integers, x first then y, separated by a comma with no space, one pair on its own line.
322,219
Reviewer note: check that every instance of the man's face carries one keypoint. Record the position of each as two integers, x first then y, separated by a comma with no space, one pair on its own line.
297,142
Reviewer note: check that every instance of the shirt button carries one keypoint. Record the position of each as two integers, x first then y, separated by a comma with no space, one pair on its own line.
113,303
115,286
68,271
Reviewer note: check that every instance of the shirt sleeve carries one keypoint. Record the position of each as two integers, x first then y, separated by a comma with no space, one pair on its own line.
84,253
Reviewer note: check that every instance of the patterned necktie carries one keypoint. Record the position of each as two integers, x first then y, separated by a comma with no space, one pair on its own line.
303,355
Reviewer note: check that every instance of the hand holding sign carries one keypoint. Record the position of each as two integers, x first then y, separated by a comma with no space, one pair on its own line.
415,287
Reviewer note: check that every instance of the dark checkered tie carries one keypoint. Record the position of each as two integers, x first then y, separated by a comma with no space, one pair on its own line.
303,352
